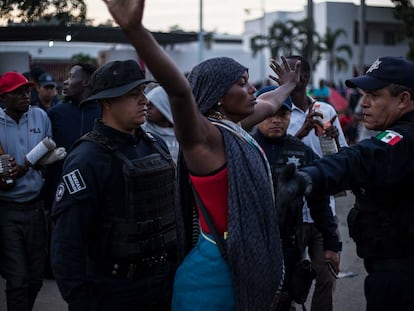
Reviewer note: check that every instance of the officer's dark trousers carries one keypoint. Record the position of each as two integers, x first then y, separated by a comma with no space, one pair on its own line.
22,250
390,290
150,292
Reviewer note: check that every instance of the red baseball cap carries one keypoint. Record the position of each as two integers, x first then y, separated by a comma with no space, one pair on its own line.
11,81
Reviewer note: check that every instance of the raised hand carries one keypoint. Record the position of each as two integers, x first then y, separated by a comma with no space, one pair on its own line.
127,13
284,74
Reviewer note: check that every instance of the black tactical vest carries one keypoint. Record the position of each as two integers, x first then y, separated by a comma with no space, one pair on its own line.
148,226
292,151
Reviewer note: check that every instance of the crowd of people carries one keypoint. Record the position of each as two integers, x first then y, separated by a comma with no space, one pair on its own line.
199,191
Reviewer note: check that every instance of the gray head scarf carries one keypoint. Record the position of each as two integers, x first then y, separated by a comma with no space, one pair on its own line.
210,80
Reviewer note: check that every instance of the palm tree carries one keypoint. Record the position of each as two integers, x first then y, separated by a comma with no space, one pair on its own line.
288,38
330,48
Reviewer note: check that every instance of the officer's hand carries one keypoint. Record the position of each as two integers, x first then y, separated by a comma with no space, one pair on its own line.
290,186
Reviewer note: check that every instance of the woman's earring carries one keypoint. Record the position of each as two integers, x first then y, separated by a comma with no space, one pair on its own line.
218,104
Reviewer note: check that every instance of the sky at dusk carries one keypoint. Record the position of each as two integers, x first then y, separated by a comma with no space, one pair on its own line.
223,16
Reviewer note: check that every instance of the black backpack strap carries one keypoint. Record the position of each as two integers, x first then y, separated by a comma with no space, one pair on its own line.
149,137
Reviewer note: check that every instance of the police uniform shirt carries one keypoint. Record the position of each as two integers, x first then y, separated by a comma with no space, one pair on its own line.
380,165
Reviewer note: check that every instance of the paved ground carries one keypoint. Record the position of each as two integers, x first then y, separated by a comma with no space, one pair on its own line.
349,295
349,292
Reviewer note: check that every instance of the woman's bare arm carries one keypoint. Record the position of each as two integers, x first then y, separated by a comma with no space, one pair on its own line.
194,132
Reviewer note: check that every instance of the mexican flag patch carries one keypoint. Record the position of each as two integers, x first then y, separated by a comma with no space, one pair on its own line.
389,137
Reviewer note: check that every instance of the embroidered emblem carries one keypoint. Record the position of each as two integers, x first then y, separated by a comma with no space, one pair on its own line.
74,181
374,66
59,192
389,137
293,160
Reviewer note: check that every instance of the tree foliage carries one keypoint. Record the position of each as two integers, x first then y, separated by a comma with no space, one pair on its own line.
333,51
287,38
61,11
404,11
291,37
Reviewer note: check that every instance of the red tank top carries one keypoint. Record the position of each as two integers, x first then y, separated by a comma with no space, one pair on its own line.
213,191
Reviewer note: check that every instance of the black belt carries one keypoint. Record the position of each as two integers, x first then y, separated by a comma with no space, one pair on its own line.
150,225
395,264
129,270
22,206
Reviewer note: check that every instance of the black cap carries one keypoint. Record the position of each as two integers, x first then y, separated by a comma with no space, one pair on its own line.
46,79
115,79
385,71
287,103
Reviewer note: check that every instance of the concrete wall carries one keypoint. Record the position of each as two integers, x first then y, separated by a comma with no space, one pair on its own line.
14,61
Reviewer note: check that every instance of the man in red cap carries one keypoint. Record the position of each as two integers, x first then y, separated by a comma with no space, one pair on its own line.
22,219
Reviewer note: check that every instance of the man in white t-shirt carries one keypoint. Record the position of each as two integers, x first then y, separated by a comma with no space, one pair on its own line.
302,125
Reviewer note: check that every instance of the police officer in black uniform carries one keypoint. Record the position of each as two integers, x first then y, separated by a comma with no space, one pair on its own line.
380,172
282,149
114,240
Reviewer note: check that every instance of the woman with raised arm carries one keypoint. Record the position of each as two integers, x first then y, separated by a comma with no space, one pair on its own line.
225,169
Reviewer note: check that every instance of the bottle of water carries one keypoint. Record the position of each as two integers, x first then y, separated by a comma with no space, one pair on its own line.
328,144
44,146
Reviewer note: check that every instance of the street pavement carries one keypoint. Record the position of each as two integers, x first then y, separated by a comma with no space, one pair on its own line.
349,293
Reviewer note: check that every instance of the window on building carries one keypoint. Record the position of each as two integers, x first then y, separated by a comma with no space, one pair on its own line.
389,37
356,34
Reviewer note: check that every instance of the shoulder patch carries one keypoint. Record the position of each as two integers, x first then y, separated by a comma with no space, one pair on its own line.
389,137
74,181
60,192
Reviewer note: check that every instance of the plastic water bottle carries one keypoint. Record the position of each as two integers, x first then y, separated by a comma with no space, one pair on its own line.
43,147
328,144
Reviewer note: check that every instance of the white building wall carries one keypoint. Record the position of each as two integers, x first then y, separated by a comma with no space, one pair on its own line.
342,15
14,61
337,15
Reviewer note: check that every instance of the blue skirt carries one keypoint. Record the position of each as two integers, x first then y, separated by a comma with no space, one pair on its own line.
203,281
